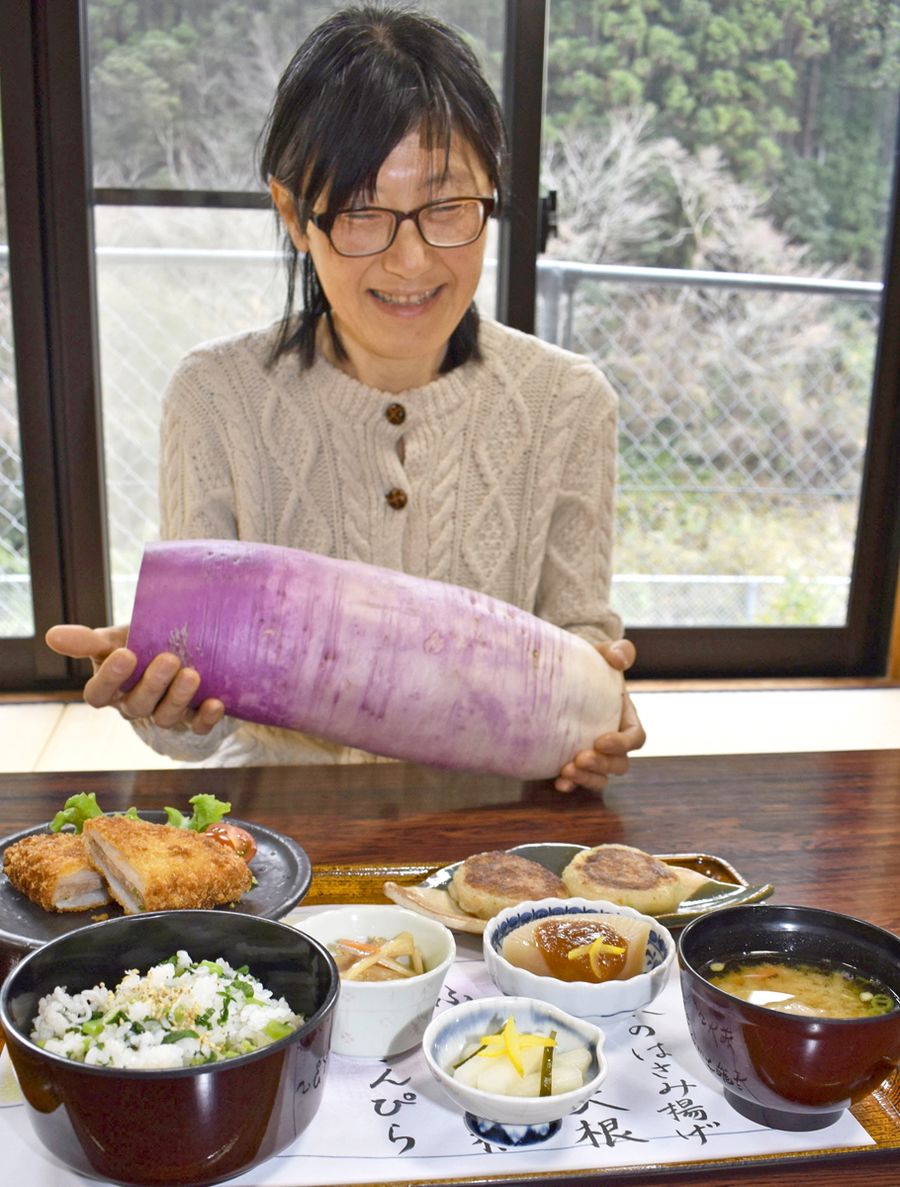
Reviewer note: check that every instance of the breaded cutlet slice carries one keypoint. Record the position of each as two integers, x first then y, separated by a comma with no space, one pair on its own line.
485,883
52,869
156,867
630,877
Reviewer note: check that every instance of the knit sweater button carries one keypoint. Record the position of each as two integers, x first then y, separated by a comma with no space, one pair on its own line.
397,498
395,413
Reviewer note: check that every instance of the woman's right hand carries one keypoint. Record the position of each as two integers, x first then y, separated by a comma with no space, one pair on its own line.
163,693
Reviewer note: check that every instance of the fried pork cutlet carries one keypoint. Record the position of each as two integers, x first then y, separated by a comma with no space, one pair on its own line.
487,882
155,867
52,869
630,877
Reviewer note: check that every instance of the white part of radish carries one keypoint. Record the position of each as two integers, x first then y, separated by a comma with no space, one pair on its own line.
498,1075
521,949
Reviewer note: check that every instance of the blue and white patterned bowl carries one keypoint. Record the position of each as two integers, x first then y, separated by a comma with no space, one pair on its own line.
582,998
510,1120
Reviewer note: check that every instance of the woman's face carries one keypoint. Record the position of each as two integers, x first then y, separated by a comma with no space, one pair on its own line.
394,312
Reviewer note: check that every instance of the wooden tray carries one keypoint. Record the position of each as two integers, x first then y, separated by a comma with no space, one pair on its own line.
878,1113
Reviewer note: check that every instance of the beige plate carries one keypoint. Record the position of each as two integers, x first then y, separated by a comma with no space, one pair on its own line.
725,888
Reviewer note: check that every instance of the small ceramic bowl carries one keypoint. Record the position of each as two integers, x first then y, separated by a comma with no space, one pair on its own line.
376,1019
510,1120
183,1127
789,1071
584,999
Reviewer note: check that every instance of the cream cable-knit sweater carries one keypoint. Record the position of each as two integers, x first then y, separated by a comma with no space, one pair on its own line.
507,465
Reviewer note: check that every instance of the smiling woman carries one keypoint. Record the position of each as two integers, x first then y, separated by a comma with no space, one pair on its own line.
392,310
383,422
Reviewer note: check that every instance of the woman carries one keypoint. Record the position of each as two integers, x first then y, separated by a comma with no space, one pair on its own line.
385,423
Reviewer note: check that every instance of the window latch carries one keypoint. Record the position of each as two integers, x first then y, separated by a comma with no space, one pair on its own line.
547,220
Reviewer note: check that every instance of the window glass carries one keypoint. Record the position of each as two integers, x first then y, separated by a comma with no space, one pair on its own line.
178,96
754,143
167,279
16,614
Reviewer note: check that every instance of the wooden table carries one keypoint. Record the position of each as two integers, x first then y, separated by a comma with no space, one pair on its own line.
823,828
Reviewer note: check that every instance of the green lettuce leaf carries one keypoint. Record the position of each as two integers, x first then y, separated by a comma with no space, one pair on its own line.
77,810
207,810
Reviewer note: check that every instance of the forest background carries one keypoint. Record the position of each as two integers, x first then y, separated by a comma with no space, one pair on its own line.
741,136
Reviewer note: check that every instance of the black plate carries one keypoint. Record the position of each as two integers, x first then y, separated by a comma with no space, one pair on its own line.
281,868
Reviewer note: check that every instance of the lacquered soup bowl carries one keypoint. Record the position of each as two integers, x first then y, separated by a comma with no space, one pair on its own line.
788,1071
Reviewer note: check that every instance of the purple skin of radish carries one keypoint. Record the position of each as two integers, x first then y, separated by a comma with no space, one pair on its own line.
397,665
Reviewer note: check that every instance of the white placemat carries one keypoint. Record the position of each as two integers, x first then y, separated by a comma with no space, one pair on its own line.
390,1122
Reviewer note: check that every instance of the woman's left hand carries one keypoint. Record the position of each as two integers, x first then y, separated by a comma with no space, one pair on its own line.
591,768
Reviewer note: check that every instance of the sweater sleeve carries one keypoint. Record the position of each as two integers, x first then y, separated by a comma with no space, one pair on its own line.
574,586
202,434
196,484
196,494
234,743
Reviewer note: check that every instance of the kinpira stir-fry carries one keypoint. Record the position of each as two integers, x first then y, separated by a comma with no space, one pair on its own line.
378,959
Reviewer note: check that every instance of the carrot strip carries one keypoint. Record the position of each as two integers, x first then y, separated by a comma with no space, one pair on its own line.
384,953
357,946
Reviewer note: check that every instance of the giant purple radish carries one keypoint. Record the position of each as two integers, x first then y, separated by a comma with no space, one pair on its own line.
397,665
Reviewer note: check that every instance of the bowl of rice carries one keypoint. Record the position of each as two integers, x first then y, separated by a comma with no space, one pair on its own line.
179,1048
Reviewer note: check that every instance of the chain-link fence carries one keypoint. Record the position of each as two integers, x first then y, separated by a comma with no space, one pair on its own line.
743,410
744,404
15,583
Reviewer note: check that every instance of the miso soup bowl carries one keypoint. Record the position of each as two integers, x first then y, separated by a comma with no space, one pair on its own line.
187,1126
789,1071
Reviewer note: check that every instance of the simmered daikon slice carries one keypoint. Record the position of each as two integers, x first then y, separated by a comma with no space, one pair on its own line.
580,947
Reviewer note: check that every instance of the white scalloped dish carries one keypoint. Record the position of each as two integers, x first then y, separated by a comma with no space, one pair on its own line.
515,1121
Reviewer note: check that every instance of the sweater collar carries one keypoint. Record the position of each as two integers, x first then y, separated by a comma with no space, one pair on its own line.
342,395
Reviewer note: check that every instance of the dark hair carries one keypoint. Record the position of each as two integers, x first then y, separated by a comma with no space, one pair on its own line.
362,81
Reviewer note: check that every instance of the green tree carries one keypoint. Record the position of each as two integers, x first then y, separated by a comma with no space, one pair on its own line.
180,90
799,96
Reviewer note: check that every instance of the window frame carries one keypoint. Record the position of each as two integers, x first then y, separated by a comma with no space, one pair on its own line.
51,284
50,200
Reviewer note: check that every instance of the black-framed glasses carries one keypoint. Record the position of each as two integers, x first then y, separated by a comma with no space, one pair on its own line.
368,230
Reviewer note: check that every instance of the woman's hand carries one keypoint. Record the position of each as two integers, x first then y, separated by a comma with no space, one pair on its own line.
163,693
592,768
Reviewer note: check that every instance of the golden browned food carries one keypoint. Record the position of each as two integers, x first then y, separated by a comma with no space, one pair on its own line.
628,876
155,867
487,882
52,869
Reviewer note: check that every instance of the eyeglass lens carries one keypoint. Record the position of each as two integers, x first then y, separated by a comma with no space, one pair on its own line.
445,224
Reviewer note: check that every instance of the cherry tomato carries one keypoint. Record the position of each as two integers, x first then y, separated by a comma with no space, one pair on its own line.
234,837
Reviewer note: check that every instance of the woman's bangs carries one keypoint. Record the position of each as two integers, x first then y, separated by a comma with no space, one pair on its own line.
347,168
